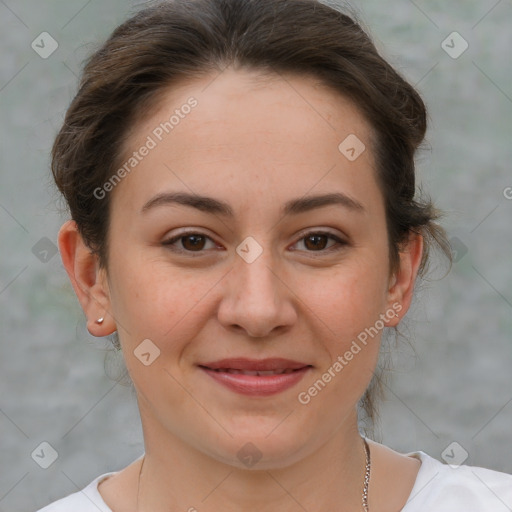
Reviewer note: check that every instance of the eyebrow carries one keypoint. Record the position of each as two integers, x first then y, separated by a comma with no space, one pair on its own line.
214,206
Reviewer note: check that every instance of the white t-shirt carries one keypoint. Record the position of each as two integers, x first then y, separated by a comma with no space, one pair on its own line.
438,487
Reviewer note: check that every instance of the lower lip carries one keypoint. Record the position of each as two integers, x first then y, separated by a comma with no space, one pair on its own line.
257,385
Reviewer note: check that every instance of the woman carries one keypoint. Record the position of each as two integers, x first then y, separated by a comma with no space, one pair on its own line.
240,176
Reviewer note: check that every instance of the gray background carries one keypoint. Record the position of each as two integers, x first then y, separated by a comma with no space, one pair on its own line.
453,383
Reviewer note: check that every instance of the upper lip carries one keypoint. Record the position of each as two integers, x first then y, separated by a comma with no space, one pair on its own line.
242,363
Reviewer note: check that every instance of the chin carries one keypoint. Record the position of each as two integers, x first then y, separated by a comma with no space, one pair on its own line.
268,446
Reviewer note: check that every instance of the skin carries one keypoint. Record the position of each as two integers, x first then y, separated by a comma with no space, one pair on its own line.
255,143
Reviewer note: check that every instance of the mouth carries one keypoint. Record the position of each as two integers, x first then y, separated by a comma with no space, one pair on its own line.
235,371
275,364
256,377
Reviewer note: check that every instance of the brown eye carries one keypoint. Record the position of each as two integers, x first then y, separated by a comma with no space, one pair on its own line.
189,242
318,241
193,242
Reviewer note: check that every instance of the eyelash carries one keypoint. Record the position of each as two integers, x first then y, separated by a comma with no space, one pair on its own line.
169,243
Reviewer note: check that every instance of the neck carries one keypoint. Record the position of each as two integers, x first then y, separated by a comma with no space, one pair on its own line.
175,476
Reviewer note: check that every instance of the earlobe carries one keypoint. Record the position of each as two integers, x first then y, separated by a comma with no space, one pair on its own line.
401,286
86,278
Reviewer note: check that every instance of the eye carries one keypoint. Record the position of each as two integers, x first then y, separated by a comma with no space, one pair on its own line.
190,242
196,242
317,241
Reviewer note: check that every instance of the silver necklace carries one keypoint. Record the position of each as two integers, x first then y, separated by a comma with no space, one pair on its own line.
366,476
365,484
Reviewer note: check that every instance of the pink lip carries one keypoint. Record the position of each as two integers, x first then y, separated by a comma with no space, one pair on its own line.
242,363
256,385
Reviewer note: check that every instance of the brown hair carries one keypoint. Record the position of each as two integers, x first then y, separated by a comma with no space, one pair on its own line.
180,39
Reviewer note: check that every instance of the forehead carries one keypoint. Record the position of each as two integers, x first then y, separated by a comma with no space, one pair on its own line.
248,127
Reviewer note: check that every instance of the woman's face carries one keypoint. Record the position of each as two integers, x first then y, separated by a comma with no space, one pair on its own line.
251,267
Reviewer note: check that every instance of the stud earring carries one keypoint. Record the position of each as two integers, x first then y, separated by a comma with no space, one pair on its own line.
100,320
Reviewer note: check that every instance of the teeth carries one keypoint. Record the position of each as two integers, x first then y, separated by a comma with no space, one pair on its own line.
247,372
243,372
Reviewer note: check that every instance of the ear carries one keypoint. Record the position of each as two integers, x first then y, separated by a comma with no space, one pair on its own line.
89,282
401,284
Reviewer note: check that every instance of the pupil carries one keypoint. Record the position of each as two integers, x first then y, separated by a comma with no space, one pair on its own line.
317,242
197,241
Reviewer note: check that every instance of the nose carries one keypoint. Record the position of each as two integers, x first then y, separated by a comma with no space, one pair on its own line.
256,299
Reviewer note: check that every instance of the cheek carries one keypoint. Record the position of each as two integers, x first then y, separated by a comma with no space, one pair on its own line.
346,310
167,307
159,302
349,298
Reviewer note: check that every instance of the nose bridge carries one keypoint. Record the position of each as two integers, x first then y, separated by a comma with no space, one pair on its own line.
256,299
259,277
258,284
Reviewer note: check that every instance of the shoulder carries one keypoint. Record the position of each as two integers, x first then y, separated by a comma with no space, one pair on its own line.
443,487
87,500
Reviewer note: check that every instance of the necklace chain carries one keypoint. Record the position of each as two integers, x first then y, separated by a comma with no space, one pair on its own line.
365,484
366,476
